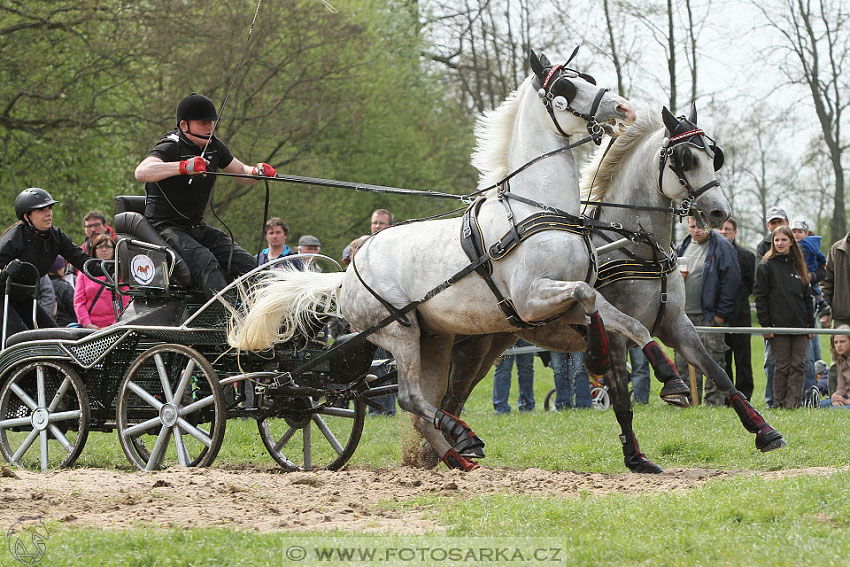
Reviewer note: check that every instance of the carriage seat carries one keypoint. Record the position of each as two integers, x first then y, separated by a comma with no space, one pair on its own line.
131,222
51,333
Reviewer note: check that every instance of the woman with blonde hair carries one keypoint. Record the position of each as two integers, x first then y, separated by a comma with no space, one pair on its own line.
784,299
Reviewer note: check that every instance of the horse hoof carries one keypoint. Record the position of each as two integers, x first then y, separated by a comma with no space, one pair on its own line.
472,453
674,386
769,439
455,461
677,400
644,466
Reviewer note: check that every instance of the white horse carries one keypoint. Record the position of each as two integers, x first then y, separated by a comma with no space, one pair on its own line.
640,192
405,265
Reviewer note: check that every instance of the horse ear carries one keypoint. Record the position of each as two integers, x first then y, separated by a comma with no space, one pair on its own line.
670,121
534,62
693,117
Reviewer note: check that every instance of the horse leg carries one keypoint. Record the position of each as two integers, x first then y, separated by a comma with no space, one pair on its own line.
683,337
617,379
675,392
420,396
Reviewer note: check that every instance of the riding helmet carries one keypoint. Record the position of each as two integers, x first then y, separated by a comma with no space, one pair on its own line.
30,200
196,107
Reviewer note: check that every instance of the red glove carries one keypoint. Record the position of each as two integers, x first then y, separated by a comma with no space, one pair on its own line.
264,169
193,166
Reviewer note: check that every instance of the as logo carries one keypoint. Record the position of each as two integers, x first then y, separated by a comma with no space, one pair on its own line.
27,539
142,269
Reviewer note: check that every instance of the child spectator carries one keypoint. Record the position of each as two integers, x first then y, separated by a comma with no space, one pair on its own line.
839,374
93,303
65,314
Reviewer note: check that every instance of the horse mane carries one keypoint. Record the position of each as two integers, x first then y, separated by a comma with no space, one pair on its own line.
493,132
597,176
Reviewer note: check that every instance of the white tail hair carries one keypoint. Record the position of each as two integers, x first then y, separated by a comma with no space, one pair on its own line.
280,305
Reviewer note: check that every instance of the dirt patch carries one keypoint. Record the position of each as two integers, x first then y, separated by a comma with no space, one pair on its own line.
267,500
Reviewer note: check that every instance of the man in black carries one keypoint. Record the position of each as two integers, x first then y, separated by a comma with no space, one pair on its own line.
177,195
740,344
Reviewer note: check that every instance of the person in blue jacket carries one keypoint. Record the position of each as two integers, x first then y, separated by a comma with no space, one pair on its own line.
711,293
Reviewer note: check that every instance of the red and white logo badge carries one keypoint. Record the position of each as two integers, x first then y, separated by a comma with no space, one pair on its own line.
142,269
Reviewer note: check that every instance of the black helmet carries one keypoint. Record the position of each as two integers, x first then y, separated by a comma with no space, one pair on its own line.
196,107
31,199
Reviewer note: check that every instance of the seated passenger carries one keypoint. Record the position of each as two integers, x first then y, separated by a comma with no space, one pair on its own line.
94,304
177,195
64,291
33,239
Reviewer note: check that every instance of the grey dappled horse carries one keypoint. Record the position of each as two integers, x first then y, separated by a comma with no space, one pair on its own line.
631,278
404,265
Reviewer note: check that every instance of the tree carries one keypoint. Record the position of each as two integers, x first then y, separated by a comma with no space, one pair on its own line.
815,49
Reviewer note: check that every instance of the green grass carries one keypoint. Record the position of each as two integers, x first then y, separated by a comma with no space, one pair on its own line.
745,520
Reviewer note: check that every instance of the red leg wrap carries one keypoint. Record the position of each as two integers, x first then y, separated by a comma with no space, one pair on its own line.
463,439
596,359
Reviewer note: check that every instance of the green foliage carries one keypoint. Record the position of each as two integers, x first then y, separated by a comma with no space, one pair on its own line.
87,88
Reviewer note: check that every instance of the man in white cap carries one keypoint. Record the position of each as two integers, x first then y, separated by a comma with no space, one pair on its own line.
309,244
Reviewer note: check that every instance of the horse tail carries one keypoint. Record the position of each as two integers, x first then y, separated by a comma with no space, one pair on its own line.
283,303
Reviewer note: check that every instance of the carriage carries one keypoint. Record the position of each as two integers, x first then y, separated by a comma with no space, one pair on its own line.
164,378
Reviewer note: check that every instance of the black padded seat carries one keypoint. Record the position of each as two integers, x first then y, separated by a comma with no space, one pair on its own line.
130,222
50,333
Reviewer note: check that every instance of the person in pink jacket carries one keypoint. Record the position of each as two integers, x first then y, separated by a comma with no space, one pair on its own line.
93,303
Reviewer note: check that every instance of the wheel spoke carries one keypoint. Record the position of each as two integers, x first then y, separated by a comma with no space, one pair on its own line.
195,406
158,451
39,381
139,391
338,412
195,432
42,445
66,383
16,458
308,447
163,377
24,397
182,454
326,431
184,380
57,433
284,440
15,422
64,415
141,428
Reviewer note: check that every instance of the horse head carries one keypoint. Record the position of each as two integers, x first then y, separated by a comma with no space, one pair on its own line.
688,169
575,103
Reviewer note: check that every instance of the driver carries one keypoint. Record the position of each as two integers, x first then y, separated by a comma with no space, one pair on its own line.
33,239
177,195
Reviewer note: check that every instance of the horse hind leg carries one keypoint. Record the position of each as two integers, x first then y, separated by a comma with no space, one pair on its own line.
420,394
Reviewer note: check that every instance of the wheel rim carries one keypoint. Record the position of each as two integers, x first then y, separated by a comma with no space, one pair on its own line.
44,416
170,410
600,399
323,440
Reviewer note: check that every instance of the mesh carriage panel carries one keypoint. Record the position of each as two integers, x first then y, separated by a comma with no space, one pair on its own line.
88,351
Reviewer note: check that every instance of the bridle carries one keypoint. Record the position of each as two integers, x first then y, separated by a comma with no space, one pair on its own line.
667,152
552,101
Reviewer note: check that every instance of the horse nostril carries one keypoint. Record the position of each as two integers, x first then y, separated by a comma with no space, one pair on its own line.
626,108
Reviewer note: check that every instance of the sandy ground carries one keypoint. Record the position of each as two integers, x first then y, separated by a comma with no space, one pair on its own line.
267,500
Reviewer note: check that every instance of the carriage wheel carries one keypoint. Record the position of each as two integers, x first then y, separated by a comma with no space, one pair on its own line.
299,441
45,402
600,398
170,392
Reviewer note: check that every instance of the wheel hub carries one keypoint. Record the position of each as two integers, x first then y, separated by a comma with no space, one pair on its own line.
40,419
168,415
